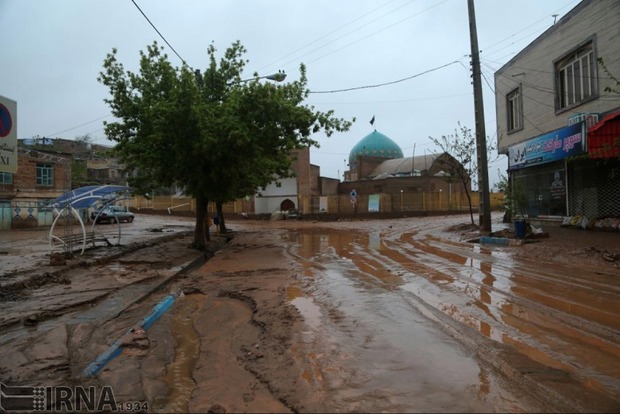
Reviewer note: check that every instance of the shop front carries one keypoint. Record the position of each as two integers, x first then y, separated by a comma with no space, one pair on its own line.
539,171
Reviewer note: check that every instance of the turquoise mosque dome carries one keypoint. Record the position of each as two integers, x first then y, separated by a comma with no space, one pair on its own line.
376,144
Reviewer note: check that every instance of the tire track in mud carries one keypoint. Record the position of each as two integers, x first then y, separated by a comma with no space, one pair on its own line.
547,313
547,324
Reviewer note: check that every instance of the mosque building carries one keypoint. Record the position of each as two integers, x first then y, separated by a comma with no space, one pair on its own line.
377,165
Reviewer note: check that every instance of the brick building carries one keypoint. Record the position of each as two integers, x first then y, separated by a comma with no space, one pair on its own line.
41,177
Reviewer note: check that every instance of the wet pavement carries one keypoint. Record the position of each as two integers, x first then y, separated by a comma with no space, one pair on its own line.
378,295
26,249
395,315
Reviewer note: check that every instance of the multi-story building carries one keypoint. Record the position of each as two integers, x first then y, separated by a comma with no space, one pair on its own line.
558,116
46,169
41,177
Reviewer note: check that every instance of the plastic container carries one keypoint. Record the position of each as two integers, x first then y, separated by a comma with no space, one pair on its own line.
520,229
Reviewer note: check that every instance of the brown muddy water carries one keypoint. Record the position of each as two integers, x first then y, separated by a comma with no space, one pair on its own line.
375,304
400,320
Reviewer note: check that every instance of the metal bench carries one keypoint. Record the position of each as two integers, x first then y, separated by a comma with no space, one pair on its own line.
72,241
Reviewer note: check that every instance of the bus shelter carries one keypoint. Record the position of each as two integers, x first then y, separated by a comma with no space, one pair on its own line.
66,208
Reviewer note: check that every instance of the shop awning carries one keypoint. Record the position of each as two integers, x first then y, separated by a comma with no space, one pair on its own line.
604,137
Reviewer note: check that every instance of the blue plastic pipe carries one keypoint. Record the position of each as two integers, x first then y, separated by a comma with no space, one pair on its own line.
115,349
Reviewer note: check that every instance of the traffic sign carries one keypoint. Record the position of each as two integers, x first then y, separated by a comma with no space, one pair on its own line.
8,135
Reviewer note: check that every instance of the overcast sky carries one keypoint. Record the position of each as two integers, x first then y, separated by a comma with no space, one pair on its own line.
53,52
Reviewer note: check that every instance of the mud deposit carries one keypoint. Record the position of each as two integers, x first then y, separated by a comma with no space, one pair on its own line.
392,315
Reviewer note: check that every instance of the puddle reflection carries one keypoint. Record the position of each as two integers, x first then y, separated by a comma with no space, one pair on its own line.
553,316
367,305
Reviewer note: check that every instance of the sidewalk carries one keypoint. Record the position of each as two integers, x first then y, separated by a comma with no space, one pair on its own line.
29,249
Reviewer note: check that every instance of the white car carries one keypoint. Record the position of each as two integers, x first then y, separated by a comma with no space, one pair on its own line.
112,214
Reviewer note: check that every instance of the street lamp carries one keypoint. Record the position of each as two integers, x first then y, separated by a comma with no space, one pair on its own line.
276,77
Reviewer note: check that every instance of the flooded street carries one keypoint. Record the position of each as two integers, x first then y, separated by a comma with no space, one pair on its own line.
392,315
383,304
384,350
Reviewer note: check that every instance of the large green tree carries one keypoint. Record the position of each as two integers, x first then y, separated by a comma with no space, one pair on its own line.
212,133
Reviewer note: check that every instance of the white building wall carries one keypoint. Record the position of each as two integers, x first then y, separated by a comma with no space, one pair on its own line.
268,200
533,68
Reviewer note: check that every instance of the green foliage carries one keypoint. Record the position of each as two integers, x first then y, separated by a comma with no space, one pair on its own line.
78,172
218,137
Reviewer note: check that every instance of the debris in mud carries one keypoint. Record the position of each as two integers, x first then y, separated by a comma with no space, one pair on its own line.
463,227
137,339
190,290
605,255
31,320
217,409
58,259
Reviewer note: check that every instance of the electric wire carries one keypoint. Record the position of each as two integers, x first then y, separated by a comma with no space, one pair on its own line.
335,31
158,32
398,101
375,33
576,37
527,27
387,83
78,126
358,28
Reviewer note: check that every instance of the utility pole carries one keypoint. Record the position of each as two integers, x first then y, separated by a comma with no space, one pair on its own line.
484,207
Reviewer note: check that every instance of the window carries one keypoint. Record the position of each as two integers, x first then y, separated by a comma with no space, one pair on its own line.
6,178
514,108
45,174
576,77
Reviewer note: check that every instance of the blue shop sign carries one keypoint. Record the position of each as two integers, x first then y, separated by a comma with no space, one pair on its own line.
552,146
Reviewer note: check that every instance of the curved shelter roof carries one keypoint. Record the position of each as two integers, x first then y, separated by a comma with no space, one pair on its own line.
376,144
85,197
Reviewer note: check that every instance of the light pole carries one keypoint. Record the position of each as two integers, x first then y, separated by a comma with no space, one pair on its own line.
401,201
276,77
481,140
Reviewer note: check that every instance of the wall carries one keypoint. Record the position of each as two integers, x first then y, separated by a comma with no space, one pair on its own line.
26,196
533,69
270,198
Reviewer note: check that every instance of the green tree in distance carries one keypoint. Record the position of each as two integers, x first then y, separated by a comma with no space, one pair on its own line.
218,137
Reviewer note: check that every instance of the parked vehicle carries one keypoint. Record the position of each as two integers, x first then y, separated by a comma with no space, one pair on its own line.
112,214
293,214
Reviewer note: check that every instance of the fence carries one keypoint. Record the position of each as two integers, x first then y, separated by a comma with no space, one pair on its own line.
339,204
20,214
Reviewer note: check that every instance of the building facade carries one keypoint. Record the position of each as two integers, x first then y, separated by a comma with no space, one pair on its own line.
556,105
41,177
377,166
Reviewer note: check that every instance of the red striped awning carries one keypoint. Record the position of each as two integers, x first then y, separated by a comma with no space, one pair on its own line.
604,137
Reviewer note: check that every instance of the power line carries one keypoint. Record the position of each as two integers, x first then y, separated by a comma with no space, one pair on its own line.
486,49
388,83
397,101
76,127
372,34
334,31
160,35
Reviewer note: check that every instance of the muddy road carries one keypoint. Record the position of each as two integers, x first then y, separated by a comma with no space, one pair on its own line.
400,315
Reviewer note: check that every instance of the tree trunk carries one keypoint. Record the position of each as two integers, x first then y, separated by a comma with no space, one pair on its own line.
220,215
464,181
471,210
201,229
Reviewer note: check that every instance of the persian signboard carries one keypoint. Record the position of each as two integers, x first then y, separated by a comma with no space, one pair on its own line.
552,146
